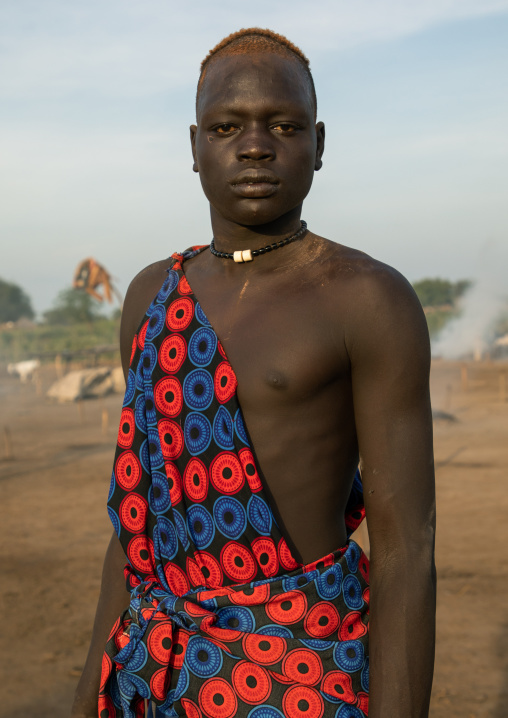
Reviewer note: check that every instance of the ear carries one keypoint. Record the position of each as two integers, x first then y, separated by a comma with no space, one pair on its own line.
193,132
320,145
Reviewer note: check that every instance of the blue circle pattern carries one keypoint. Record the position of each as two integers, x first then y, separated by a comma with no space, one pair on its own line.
181,529
197,648
112,485
182,683
144,455
260,515
156,322
198,443
130,389
223,429
202,346
154,448
241,432
295,583
170,284
151,352
241,617
237,525
139,413
130,684
113,517
348,711
198,389
274,630
115,694
200,315
138,658
352,591
265,711
352,556
161,503
329,583
200,525
345,661
140,382
150,412
175,694
316,645
164,534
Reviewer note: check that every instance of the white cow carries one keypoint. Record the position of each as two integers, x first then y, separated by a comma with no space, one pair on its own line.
24,369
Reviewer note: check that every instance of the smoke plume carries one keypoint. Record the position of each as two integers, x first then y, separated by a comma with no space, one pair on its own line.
473,330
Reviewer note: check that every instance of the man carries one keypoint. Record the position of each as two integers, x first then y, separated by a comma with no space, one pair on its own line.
266,368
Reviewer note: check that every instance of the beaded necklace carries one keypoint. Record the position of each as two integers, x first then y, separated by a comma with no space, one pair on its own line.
247,255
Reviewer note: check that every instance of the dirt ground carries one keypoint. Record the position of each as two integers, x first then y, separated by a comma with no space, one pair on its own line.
54,530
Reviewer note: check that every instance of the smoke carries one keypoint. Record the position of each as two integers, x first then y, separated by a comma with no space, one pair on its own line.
473,330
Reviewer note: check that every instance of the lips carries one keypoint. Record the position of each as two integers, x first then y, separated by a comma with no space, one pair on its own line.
255,183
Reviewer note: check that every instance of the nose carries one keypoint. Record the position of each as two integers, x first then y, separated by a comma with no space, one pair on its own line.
256,144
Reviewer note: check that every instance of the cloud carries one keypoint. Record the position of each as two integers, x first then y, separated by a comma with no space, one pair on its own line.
132,48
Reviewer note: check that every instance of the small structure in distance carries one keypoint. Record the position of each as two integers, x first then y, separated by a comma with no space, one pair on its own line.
90,276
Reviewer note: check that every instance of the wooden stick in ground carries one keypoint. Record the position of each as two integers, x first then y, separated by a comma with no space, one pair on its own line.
463,377
7,443
502,386
105,422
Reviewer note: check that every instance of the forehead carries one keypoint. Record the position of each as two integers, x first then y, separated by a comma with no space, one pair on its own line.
241,81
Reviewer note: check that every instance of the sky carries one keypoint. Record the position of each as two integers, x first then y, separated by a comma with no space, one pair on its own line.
96,99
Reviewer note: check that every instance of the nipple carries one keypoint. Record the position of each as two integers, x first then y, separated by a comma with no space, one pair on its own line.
277,380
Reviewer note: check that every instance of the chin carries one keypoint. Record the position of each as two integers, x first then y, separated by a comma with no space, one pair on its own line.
259,213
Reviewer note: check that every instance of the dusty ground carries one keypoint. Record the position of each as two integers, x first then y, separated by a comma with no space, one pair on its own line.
54,530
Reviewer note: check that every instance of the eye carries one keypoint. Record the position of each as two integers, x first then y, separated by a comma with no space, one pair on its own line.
285,128
225,129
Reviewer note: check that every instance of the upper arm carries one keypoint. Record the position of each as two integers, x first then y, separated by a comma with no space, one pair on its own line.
389,349
140,294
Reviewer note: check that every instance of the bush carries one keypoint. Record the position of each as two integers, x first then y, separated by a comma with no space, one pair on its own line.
14,303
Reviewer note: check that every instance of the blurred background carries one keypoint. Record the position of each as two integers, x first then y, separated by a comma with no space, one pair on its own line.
96,182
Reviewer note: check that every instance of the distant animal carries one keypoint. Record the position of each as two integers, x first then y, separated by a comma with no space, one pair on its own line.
24,369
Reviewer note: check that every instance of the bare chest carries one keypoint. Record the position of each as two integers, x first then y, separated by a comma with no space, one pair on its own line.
278,335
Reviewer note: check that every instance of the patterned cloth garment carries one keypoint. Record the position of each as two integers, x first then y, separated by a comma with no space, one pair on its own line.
222,621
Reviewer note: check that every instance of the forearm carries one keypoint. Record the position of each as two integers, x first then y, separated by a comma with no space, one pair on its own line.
113,600
402,635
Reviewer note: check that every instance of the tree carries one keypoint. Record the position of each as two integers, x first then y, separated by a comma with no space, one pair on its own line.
440,292
14,303
72,306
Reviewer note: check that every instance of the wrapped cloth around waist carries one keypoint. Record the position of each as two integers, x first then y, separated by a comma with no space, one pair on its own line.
298,637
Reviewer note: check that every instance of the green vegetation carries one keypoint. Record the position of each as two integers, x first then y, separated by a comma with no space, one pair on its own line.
75,324
439,298
14,303
440,292
71,307
47,340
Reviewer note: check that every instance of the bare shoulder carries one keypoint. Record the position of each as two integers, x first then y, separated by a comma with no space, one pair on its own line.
140,294
371,299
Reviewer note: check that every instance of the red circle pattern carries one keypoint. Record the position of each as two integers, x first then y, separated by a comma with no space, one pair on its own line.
226,473
195,480
172,353
217,699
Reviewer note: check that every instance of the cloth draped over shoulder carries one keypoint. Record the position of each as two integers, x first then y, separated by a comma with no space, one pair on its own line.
223,621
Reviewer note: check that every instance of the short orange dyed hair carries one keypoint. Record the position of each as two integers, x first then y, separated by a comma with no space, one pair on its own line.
254,40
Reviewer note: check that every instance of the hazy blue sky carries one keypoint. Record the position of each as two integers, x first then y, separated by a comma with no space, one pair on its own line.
96,98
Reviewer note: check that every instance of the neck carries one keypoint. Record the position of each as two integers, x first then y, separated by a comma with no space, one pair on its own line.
231,237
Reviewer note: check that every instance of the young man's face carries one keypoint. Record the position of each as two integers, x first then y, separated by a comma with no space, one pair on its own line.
256,144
